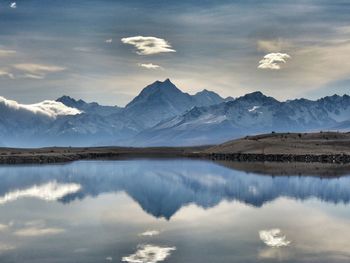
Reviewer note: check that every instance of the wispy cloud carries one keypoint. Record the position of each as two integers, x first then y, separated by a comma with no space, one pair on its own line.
273,61
148,45
6,74
38,68
109,40
13,5
274,45
38,231
7,52
149,66
273,238
149,254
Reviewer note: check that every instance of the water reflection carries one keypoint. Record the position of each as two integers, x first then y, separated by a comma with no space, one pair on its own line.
169,211
161,188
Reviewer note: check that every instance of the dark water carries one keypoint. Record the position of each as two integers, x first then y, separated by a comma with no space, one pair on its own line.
171,211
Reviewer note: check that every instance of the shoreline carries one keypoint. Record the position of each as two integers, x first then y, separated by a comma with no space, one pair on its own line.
321,147
64,155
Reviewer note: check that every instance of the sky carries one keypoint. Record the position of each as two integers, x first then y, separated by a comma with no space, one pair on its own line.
108,50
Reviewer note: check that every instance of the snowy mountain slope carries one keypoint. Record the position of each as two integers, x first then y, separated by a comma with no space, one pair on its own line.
92,107
162,100
207,98
249,114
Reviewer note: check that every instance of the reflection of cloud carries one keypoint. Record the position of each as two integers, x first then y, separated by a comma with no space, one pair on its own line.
273,238
150,233
273,61
148,45
38,231
149,66
149,254
51,191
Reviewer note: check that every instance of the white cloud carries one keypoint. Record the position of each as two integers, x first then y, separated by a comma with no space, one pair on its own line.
273,61
273,238
13,5
38,231
109,41
47,108
149,66
150,233
149,254
148,45
51,191
109,258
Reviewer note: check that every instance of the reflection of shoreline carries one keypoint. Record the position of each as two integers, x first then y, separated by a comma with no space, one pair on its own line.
289,168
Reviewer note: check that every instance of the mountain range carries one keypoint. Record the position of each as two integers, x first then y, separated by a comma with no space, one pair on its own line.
163,115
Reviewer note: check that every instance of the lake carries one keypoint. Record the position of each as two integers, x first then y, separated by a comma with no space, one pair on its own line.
170,211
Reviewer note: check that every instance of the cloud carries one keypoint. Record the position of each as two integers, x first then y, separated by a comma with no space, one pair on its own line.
273,238
148,45
149,254
149,66
6,74
38,231
13,5
3,227
33,76
51,191
273,61
109,41
47,108
38,69
5,247
150,233
6,52
109,258
275,45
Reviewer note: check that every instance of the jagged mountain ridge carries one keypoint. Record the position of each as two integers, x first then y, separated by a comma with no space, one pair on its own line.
163,115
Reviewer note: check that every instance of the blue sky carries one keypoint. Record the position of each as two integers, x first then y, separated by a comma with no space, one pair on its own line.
50,48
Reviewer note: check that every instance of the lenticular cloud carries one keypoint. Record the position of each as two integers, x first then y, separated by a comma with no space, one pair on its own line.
148,45
149,254
273,61
273,238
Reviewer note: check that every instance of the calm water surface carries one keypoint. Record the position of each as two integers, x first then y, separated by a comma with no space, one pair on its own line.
169,211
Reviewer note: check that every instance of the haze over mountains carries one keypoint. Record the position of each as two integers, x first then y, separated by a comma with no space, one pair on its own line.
163,115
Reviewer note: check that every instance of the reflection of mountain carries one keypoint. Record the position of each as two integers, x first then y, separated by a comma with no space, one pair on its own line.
163,187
